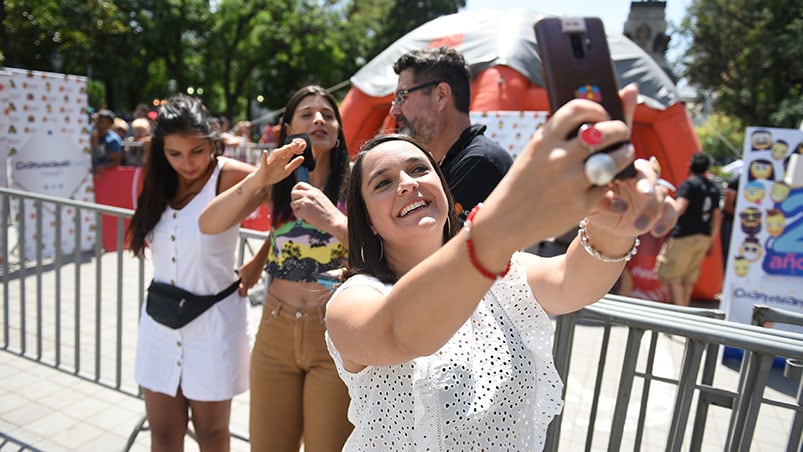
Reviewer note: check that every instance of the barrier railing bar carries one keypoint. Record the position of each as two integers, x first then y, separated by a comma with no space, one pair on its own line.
22,275
708,330
765,314
796,433
692,355
603,359
118,365
561,351
98,290
751,391
38,279
632,347
645,391
701,414
6,212
57,300
77,289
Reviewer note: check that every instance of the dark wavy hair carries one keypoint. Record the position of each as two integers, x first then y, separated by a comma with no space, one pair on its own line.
365,253
180,114
336,183
443,64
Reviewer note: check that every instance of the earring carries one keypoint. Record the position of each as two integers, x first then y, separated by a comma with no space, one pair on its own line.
448,226
362,254
381,248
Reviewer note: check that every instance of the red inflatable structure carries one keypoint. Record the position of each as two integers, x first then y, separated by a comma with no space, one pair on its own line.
500,49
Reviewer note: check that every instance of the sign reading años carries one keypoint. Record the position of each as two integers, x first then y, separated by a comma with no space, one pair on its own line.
766,252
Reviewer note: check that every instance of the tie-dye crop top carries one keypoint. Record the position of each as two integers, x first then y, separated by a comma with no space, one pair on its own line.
299,251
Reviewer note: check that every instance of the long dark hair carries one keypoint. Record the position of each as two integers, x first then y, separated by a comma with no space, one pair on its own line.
365,249
181,114
335,186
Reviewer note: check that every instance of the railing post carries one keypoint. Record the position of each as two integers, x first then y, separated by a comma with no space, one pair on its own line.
692,356
562,354
634,336
752,381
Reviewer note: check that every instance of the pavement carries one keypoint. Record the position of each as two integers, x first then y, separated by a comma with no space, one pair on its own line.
45,409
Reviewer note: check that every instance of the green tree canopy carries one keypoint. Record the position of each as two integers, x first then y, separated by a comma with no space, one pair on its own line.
749,53
234,51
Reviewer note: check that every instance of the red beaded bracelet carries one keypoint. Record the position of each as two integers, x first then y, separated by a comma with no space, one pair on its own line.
473,256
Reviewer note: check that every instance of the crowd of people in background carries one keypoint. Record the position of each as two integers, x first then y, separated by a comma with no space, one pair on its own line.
124,140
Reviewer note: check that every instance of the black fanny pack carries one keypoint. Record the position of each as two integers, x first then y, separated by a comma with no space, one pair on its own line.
175,307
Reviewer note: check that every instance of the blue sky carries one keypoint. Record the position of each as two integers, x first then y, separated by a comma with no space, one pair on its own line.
612,12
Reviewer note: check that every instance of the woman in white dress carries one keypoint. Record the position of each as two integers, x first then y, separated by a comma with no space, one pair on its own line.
200,366
443,337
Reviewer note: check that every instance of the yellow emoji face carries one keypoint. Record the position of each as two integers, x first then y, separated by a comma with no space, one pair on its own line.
779,148
761,140
775,222
741,266
754,192
751,249
761,169
779,192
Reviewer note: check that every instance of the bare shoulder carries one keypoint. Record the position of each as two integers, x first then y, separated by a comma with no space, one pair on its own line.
232,172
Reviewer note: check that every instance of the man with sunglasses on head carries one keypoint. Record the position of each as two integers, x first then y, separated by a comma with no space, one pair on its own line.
432,105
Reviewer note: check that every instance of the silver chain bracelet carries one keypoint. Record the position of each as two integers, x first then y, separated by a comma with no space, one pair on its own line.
599,256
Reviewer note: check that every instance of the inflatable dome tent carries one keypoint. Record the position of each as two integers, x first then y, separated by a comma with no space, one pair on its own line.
500,49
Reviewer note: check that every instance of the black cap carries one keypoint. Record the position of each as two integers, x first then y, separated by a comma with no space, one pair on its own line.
105,113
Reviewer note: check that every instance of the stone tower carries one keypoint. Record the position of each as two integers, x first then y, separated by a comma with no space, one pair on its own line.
646,26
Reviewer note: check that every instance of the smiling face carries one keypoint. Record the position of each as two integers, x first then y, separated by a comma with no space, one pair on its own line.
315,117
189,155
779,192
754,192
403,194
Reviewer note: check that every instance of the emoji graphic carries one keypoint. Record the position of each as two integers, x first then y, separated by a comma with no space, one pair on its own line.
754,192
761,169
590,92
751,249
761,140
751,221
779,149
779,192
775,222
741,266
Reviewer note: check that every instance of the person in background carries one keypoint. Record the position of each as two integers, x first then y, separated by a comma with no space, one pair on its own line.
106,145
202,365
120,127
681,257
135,154
442,332
432,105
296,394
728,212
236,142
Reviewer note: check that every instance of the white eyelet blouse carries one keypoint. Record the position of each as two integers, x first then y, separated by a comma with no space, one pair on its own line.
493,386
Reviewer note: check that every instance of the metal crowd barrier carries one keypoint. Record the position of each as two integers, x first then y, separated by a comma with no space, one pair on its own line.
77,312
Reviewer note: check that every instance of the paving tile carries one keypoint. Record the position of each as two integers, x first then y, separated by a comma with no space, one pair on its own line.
52,424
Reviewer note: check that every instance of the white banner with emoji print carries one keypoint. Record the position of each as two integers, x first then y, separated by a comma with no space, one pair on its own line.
45,148
765,263
511,129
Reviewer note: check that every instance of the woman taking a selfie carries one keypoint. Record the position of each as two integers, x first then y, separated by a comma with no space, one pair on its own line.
442,333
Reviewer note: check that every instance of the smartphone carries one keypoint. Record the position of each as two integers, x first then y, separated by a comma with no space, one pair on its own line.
302,173
576,63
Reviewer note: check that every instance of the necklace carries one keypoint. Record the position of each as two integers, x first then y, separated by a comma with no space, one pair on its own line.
191,189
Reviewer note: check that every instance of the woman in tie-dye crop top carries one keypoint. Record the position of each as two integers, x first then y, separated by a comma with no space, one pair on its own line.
299,251
295,390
